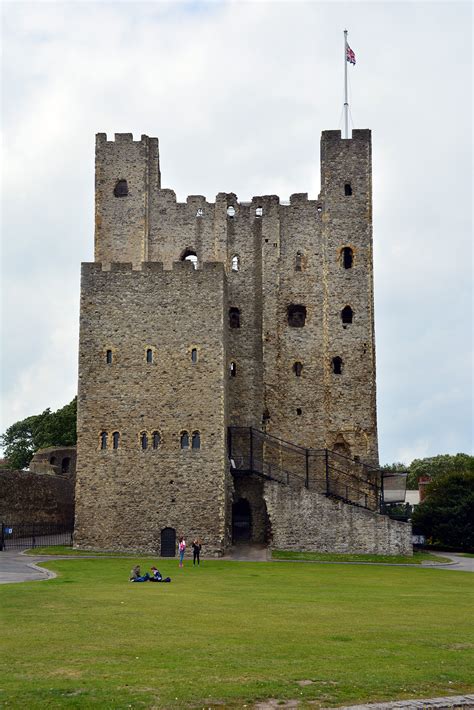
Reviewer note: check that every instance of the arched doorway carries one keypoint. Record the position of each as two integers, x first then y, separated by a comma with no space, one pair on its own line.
241,521
168,542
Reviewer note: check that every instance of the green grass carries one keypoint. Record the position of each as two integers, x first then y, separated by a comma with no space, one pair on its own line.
234,633
67,550
465,554
417,559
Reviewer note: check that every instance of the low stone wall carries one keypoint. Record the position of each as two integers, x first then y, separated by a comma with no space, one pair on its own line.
27,497
307,521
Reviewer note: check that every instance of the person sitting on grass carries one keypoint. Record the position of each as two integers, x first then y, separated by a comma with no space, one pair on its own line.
136,576
156,576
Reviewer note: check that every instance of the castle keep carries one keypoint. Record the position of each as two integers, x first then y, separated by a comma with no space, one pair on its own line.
227,363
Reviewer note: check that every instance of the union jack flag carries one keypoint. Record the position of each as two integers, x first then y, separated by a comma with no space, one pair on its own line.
350,56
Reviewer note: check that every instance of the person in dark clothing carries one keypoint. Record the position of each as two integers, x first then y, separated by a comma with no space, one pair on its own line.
196,550
136,576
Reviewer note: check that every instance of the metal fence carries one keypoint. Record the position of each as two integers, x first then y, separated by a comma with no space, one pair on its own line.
20,536
321,470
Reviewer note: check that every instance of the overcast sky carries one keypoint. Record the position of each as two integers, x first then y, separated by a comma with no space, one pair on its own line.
238,94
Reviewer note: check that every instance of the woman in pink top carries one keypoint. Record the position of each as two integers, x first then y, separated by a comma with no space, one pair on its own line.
182,549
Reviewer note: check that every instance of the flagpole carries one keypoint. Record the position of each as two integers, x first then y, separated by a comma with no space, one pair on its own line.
346,103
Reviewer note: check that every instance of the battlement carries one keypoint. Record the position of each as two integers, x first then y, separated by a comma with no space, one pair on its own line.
89,268
122,139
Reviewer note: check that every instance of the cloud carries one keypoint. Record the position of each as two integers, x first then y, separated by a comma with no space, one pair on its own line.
238,94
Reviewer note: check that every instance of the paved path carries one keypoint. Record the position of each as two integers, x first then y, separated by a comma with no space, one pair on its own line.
15,567
463,702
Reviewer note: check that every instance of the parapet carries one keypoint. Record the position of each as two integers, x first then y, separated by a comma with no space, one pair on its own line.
122,138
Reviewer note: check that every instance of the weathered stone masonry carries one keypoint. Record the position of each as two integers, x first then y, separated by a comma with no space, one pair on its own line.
288,272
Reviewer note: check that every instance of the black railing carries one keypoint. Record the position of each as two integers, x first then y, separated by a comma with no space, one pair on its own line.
20,536
321,470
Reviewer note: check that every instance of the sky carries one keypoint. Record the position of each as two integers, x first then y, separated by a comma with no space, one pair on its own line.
238,94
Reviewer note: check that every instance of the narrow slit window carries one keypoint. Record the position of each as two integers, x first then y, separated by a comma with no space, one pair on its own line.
259,212
299,411
108,357
184,440
235,263
115,440
347,189
156,439
337,365
298,368
194,356
347,314
196,440
299,261
121,189
103,440
233,369
144,440
296,316
347,257
234,317
149,355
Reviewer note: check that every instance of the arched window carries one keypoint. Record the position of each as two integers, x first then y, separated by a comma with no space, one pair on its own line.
347,257
115,440
121,189
234,317
231,211
337,365
190,255
347,189
108,357
156,439
65,463
347,314
196,440
299,261
52,460
149,355
298,368
235,262
194,356
103,440
184,440
259,212
296,316
144,440
232,369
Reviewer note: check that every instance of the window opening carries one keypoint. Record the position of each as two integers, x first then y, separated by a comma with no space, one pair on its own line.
231,211
103,440
196,440
319,208
235,262
347,257
149,355
298,368
347,314
156,439
296,315
347,189
52,460
194,356
299,261
299,411
144,440
184,440
337,365
115,439
234,317
259,212
65,464
190,255
233,369
121,189
108,357
199,212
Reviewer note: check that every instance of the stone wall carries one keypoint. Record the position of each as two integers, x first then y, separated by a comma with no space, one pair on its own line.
27,497
58,460
304,520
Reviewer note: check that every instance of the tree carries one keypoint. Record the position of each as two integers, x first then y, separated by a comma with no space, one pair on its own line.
435,466
22,439
447,513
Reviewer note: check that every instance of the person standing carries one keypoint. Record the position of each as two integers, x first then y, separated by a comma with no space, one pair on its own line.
196,550
181,550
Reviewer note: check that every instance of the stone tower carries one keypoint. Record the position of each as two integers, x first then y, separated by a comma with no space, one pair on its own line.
198,317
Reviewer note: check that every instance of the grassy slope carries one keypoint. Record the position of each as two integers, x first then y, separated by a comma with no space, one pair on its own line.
235,632
417,559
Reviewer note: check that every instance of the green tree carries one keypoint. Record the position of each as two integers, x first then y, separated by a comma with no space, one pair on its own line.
435,466
447,513
22,439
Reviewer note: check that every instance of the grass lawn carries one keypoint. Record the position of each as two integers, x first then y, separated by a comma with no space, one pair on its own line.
234,633
67,550
417,559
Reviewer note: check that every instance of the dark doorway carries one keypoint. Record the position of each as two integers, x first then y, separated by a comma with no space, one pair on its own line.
241,521
168,542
